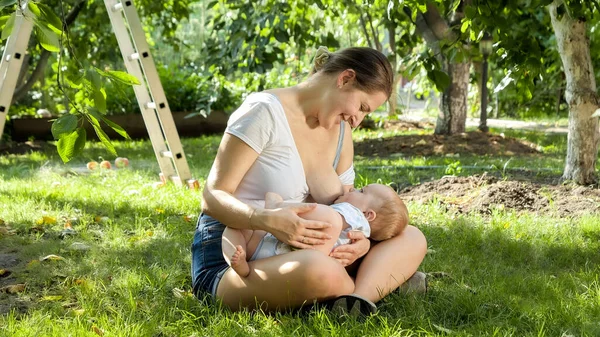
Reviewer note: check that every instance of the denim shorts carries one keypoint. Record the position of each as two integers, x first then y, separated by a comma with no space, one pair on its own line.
208,263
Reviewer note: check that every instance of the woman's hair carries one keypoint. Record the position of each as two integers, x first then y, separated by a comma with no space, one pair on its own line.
391,219
373,70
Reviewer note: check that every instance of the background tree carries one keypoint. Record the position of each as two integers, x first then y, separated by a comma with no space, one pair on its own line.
523,53
569,23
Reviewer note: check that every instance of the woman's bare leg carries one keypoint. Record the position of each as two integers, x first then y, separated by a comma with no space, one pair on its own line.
390,263
285,281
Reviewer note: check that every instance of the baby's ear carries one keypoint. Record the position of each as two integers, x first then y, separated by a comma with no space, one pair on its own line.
370,214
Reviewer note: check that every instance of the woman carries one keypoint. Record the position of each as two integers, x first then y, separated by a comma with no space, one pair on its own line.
293,141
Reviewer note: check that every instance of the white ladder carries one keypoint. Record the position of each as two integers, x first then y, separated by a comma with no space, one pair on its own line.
138,62
12,59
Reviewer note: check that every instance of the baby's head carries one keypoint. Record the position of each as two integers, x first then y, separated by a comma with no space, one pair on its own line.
382,206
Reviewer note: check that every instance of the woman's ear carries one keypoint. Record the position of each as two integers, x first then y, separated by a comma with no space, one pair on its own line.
346,77
370,214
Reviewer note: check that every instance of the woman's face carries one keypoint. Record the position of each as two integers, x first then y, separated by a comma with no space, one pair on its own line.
350,104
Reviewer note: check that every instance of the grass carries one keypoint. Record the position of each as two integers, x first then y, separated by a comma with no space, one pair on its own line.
500,275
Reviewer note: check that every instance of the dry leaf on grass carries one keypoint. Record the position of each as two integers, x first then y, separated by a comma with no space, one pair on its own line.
4,273
52,257
52,298
97,330
46,220
13,288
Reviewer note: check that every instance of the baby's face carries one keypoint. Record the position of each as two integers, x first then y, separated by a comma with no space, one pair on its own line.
368,197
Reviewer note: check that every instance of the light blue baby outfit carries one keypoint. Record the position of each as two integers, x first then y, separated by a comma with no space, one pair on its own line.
270,246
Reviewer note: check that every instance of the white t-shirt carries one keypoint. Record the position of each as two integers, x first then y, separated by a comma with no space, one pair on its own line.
261,123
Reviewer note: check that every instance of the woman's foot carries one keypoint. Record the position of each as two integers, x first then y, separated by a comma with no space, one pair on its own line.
416,284
239,263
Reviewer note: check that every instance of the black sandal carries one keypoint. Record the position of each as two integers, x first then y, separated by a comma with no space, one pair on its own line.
351,305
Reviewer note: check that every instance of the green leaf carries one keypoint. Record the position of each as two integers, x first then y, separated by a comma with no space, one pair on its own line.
64,125
440,79
50,18
100,100
71,144
8,27
104,139
118,129
6,3
119,76
94,78
465,25
94,119
35,10
455,5
47,38
470,12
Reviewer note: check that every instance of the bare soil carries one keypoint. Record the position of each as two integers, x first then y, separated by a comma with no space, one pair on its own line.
24,147
484,193
522,192
476,143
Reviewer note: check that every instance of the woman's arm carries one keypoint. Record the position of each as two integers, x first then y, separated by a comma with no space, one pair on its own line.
234,159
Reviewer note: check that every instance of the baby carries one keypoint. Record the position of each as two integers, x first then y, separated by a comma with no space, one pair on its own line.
375,210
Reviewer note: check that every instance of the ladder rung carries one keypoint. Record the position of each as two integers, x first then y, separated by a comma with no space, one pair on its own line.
150,105
134,56
167,154
117,7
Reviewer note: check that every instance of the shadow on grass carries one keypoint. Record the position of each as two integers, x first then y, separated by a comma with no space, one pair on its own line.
200,152
483,278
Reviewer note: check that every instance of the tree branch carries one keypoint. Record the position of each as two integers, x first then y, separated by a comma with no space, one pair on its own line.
437,24
364,28
374,32
424,30
38,72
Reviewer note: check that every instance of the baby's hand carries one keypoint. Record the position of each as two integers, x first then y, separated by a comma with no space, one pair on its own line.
346,254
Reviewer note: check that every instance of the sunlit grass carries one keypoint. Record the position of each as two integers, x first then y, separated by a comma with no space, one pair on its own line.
499,275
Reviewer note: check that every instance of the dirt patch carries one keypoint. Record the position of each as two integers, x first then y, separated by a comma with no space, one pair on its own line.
25,147
483,193
9,302
476,143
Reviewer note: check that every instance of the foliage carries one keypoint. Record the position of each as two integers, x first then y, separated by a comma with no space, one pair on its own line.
79,76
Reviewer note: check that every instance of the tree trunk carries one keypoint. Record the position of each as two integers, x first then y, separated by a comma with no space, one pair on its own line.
580,94
393,100
36,75
452,116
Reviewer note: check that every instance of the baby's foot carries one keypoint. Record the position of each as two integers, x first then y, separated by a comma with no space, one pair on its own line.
239,263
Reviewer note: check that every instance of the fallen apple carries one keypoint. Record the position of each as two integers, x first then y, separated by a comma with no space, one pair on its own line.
93,165
121,162
105,164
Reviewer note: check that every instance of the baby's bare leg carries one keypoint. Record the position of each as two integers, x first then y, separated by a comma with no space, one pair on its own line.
234,244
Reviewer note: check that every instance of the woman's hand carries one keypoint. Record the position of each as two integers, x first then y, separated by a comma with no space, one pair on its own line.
346,254
285,224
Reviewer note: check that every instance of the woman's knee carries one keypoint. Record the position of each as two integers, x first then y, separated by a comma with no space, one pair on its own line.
324,276
417,238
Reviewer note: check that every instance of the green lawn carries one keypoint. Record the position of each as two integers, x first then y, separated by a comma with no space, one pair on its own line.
499,275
